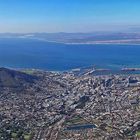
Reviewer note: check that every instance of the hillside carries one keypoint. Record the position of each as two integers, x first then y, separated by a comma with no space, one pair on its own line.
12,78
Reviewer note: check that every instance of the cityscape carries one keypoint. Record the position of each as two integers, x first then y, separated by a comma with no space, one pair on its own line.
69,70
57,106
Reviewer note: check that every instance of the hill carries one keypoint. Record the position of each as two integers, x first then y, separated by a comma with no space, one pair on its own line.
12,78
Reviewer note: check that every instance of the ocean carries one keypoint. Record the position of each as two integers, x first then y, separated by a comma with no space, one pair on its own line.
31,53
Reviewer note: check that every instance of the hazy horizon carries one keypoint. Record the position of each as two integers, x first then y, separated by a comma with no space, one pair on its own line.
69,16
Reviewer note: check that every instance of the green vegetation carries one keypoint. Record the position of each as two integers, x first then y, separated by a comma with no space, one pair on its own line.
28,136
138,134
30,72
19,134
14,135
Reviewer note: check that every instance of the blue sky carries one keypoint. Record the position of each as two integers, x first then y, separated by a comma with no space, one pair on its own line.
68,15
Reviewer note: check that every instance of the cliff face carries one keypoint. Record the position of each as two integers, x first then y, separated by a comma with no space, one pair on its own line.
12,78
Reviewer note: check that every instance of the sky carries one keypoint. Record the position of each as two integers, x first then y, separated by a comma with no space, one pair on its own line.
69,15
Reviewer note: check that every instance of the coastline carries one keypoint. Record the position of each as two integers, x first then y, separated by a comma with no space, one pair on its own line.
84,71
82,43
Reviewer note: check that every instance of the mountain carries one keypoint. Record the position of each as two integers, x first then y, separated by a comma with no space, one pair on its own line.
12,78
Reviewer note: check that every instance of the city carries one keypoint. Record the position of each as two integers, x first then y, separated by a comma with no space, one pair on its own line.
66,106
69,69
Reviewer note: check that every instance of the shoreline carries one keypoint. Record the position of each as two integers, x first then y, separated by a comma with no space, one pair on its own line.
83,71
75,43
102,44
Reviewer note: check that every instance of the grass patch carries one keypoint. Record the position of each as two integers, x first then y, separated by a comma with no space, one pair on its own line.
14,135
30,72
138,134
27,137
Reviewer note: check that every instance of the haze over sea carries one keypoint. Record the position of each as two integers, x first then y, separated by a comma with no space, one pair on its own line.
29,53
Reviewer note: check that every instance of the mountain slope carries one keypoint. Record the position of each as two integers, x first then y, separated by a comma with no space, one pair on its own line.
12,78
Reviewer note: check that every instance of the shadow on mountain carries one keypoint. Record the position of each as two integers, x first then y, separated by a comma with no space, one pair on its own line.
13,79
